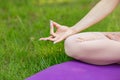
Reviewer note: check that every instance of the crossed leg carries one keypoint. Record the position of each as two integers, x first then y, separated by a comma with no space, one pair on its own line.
93,47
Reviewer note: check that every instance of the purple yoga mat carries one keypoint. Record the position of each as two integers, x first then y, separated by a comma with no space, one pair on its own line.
75,70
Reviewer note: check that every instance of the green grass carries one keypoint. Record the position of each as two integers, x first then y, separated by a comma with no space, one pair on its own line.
23,22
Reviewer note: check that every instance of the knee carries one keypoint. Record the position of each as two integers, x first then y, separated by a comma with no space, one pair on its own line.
70,46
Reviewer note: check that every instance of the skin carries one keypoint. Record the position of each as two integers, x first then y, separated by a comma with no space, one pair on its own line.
94,42
94,48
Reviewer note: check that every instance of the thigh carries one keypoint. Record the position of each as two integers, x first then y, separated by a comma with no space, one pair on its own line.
102,51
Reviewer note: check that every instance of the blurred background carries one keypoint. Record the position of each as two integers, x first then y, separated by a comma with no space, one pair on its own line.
23,22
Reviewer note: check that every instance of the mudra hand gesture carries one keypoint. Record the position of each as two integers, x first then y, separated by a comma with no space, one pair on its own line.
62,32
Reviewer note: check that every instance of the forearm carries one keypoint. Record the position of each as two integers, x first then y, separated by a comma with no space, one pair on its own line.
99,12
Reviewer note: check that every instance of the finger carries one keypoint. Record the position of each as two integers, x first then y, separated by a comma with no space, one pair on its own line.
54,39
51,39
43,38
58,40
47,38
55,24
52,29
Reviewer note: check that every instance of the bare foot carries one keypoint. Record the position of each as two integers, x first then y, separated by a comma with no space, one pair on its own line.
113,36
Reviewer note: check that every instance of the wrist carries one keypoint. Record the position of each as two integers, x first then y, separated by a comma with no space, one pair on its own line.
74,30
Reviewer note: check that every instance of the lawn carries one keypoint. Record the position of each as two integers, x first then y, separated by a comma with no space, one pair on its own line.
23,22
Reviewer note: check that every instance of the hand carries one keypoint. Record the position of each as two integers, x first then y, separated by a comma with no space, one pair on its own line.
62,32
